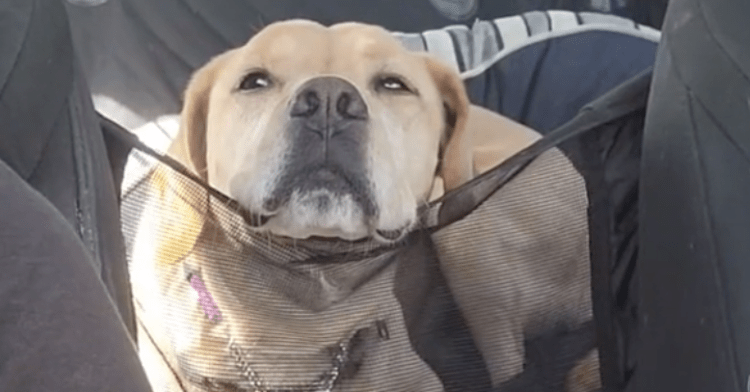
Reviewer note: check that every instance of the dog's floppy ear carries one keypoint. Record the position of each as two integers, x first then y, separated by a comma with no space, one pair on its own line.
189,146
182,207
181,210
456,166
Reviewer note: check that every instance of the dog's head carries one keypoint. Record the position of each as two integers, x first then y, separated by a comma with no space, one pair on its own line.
326,131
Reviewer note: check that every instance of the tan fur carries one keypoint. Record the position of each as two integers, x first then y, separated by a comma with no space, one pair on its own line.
184,224
232,140
457,154
493,139
190,143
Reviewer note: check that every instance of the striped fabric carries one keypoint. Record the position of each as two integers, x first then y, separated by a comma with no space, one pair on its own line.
473,50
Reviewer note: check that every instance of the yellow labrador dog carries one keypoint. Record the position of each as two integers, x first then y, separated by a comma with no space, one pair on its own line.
341,132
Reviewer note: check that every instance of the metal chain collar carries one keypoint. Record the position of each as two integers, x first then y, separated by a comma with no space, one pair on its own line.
342,354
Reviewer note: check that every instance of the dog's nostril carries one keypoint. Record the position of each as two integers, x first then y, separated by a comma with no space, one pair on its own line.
306,104
312,100
350,107
342,105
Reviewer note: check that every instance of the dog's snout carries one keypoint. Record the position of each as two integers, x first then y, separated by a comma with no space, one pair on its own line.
306,104
329,100
350,105
328,131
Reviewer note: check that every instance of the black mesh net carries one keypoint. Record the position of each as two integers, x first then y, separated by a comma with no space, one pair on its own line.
492,292
493,288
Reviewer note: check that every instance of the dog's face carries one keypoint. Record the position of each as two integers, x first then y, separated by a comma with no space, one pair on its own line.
326,131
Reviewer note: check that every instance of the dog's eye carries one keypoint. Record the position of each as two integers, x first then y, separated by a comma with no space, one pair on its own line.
255,81
392,84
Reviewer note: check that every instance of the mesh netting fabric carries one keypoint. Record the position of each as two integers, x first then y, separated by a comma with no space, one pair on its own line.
223,307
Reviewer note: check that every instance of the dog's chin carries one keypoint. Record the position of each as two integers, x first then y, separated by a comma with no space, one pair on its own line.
327,214
319,213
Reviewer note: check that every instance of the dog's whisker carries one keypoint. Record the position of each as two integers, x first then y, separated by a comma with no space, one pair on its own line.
269,238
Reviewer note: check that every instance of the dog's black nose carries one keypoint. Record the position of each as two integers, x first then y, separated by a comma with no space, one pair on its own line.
327,101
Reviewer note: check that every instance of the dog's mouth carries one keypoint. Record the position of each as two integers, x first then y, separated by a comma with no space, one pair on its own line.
382,236
327,182
255,220
328,203
329,178
322,199
391,236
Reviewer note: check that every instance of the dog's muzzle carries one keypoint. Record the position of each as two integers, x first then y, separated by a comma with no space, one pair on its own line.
328,124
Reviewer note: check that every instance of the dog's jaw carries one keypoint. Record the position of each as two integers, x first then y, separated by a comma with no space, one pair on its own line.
323,213
301,213
320,213
382,210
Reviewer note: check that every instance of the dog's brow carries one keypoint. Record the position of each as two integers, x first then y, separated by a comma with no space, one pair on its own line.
390,67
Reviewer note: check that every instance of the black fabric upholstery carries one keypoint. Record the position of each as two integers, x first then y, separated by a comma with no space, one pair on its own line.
610,159
695,219
59,329
66,306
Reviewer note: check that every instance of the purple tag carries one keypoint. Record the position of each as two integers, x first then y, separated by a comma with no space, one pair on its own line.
204,298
